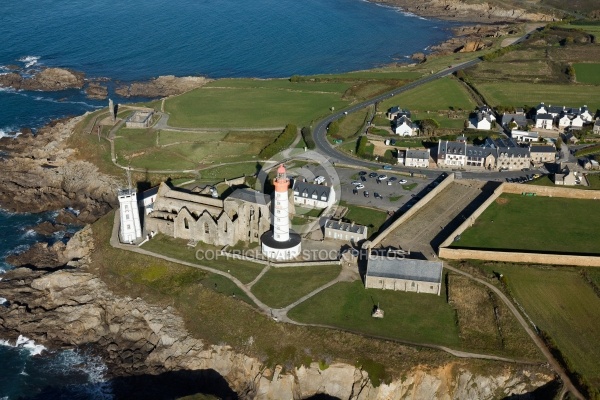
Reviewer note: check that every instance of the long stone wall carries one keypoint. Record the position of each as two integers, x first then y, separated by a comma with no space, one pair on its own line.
552,191
510,256
419,205
515,256
471,220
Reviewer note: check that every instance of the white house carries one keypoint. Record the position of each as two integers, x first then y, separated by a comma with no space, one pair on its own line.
584,112
544,121
564,121
485,118
541,109
416,158
524,136
577,122
310,195
405,127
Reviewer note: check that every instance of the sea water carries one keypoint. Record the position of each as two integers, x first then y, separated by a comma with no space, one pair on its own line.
137,40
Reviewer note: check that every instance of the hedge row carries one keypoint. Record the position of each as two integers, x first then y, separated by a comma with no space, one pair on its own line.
307,136
282,142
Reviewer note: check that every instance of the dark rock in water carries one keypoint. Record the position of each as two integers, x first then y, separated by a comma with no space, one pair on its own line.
49,79
47,228
67,218
96,91
39,255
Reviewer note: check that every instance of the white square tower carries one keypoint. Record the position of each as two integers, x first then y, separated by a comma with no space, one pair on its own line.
130,229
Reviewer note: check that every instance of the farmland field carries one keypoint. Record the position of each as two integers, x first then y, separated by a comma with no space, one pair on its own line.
587,73
563,305
518,222
519,94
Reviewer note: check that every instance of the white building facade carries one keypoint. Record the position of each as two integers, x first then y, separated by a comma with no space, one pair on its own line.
130,228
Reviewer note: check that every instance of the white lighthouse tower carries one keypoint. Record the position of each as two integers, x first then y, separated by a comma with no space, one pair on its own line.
281,243
130,229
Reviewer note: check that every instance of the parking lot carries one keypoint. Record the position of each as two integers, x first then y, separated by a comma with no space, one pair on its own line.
390,196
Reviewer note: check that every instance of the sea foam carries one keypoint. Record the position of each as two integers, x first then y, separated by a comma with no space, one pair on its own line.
29,61
25,343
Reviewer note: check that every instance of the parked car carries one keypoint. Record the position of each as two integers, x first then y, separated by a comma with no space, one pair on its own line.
356,183
390,183
361,173
377,195
366,194
363,179
354,191
382,177
402,181
373,174
360,186
393,178
387,167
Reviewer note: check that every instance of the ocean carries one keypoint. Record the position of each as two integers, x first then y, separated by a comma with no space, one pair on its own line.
139,40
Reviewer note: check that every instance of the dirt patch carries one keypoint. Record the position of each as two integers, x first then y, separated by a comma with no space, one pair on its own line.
502,200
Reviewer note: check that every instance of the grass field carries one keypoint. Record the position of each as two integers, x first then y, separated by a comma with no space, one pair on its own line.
249,103
371,218
562,304
245,271
537,223
147,148
587,73
349,306
521,94
280,287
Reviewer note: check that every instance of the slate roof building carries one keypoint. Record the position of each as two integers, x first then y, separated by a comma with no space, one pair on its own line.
408,275
542,154
416,158
345,231
311,195
451,154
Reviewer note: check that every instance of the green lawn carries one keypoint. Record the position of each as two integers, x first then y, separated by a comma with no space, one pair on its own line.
369,217
562,304
536,223
591,29
349,305
441,94
521,94
587,73
245,271
254,103
409,186
280,287
351,124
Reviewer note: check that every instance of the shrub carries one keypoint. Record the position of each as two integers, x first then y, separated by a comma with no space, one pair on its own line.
282,142
307,136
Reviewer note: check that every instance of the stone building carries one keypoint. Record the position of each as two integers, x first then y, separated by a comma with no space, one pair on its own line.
312,195
139,119
242,216
407,275
339,230
541,154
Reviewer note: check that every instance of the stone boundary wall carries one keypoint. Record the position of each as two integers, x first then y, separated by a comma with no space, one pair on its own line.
278,264
552,191
515,256
419,205
471,220
509,256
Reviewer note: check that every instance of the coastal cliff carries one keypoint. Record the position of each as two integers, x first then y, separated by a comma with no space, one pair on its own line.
460,10
41,173
72,306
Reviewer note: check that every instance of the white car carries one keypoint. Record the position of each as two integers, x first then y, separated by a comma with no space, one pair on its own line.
360,186
319,180
356,183
382,177
402,181
390,183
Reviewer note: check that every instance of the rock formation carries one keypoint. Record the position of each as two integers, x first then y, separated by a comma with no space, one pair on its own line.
48,79
162,86
467,11
73,307
40,173
96,91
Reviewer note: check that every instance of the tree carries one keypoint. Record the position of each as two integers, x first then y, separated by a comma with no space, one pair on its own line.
559,143
429,126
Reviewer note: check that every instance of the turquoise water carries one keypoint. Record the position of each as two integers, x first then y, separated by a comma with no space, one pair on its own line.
137,40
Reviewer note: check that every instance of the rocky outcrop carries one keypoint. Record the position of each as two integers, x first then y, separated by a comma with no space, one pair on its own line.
461,10
48,79
73,307
162,86
96,91
40,173
472,38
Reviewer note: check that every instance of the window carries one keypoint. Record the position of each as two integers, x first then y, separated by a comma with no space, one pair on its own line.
206,228
126,216
225,227
186,224
412,284
128,226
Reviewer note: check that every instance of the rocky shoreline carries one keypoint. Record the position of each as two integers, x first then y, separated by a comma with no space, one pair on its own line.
70,306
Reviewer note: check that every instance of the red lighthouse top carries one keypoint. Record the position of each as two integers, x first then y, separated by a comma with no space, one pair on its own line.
281,182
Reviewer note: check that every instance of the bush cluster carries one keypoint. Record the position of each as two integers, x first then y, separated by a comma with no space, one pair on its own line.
282,142
307,136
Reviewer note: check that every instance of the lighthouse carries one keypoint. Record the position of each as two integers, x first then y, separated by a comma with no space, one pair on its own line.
281,243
